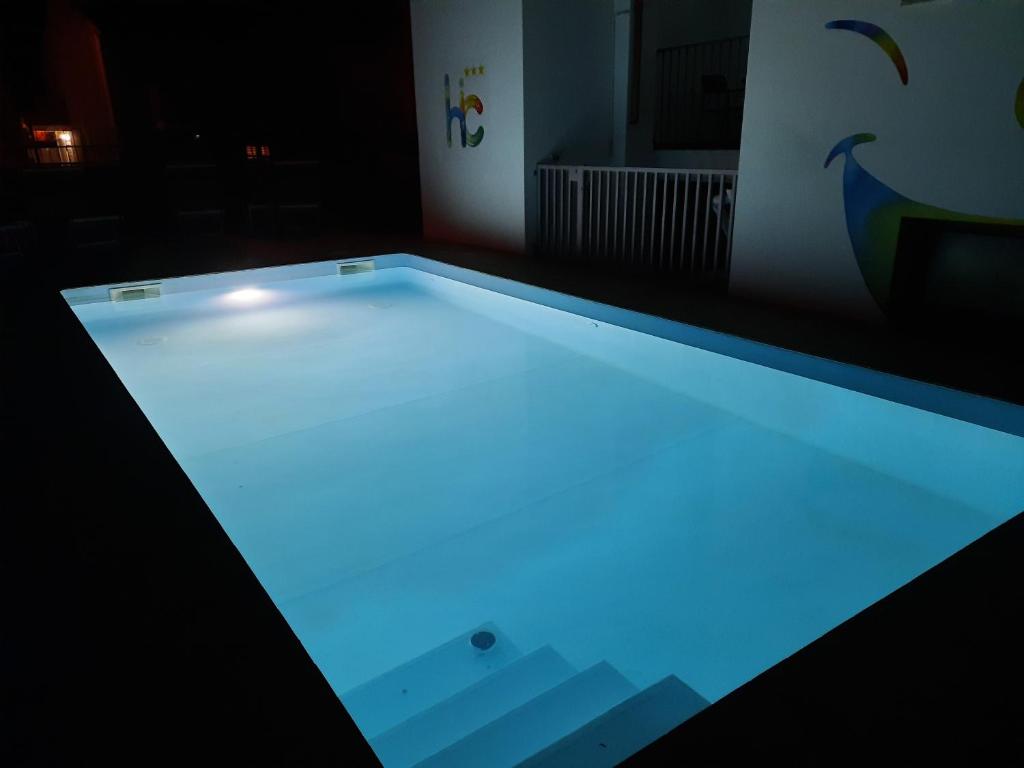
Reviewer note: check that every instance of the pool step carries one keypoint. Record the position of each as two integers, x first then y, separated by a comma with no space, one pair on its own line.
533,726
417,685
483,702
623,730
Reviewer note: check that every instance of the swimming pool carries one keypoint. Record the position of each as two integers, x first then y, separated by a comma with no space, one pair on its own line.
514,526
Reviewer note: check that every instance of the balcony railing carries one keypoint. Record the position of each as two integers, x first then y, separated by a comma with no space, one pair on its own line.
666,220
71,155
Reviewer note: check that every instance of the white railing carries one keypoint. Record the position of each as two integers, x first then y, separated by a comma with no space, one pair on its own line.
657,219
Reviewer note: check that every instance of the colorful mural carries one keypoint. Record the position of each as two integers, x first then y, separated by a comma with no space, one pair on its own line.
874,210
459,111
877,35
873,214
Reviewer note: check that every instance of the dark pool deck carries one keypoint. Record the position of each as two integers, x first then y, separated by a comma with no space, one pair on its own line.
134,633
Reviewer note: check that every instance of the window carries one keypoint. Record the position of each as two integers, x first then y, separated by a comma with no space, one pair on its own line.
700,95
54,145
255,151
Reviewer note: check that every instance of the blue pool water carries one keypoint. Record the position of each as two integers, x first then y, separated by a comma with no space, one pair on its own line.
416,467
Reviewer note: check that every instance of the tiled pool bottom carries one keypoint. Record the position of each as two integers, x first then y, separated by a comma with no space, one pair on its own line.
407,461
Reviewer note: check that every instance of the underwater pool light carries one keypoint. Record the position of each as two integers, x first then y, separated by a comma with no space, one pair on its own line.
246,296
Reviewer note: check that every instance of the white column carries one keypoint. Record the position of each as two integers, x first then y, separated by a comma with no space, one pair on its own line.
620,99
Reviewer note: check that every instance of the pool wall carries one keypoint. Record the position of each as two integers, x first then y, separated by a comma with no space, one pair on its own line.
798,396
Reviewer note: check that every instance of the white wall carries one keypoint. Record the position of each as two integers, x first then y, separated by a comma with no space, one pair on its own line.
569,52
666,24
948,138
471,194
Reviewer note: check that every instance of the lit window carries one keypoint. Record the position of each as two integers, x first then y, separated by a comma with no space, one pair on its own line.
250,152
264,150
54,145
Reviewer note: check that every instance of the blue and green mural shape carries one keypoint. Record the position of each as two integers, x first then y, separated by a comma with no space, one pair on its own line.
874,210
459,111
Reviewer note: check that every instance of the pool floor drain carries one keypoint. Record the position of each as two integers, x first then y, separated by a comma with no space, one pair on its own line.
150,341
483,640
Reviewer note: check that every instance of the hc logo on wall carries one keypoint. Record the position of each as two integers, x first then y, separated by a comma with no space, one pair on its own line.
458,111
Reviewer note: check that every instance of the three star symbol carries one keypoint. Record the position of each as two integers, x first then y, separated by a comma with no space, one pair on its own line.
469,71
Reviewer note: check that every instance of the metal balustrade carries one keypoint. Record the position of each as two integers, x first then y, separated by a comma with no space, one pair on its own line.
72,155
700,95
666,220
